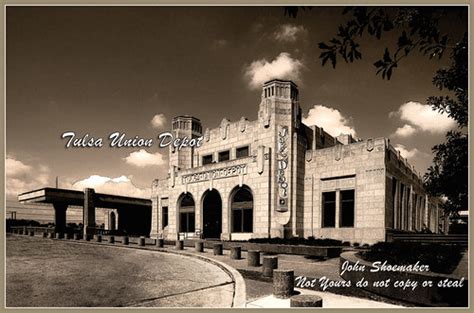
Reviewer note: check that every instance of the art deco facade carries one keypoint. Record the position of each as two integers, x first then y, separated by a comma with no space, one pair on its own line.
277,177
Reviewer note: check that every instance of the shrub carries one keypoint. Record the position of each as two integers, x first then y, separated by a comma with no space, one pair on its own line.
311,241
441,258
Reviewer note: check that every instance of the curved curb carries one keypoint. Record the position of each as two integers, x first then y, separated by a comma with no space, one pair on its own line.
239,296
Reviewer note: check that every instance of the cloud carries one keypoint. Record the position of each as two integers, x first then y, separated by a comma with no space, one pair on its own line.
21,177
330,119
282,67
143,158
121,185
422,117
158,121
289,33
407,153
404,131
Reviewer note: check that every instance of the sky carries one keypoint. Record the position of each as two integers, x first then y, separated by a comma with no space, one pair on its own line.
98,70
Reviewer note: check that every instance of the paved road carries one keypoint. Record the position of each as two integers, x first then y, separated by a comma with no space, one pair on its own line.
50,273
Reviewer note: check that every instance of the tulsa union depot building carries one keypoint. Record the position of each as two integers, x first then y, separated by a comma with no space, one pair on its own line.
277,177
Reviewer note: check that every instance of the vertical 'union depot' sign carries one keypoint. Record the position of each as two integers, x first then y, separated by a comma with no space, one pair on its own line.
282,168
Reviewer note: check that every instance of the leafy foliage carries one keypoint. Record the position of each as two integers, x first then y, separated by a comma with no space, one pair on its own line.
454,79
448,176
440,258
418,30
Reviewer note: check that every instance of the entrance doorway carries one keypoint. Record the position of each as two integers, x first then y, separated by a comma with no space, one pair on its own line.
212,215
112,221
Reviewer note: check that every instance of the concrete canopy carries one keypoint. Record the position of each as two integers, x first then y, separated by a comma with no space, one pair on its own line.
89,200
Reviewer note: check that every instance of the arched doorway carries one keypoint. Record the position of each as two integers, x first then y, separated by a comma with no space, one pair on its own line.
242,210
186,213
212,214
112,221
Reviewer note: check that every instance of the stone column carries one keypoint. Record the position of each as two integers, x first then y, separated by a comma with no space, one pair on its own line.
306,301
121,220
155,214
235,253
283,283
60,217
253,258
410,209
125,240
225,230
199,246
217,249
89,211
396,204
270,263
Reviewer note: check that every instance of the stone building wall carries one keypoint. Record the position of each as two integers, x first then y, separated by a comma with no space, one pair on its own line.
289,168
359,167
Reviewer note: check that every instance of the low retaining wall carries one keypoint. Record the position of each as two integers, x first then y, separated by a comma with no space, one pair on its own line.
426,296
319,251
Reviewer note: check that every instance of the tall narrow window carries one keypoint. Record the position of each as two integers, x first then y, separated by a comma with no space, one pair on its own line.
329,209
407,208
242,211
347,208
207,159
224,155
394,202
401,206
186,214
242,152
165,216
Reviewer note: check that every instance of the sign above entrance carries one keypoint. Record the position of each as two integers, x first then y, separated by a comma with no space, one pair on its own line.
229,171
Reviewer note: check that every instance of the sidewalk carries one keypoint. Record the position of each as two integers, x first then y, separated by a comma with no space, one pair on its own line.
259,290
330,300
463,266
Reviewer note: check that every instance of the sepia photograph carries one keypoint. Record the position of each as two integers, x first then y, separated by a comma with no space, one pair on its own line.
236,156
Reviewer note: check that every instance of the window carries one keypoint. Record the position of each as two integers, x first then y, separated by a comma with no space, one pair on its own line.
394,200
186,214
329,209
242,152
224,155
165,216
401,207
207,159
407,207
187,221
242,211
347,208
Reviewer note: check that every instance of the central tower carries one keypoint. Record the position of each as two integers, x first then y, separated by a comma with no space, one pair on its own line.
280,115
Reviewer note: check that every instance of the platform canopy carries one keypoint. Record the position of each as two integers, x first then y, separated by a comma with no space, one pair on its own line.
134,213
76,198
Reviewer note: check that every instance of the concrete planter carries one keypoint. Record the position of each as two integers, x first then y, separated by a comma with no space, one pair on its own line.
428,296
318,251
